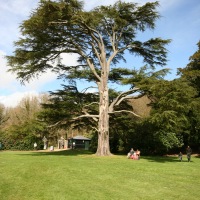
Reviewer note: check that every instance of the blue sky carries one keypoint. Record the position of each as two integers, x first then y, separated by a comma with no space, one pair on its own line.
180,22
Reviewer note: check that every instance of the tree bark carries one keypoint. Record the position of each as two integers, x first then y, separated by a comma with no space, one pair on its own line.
103,148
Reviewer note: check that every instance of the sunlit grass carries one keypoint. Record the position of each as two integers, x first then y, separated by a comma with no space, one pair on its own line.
69,175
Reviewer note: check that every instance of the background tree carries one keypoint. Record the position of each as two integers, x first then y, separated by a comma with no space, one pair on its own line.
171,102
22,128
170,113
60,112
191,73
3,115
100,37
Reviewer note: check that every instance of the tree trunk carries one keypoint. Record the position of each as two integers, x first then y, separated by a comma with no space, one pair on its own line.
103,148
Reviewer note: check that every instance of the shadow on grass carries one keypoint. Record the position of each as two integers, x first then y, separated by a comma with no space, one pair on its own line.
79,152
74,152
164,159
160,159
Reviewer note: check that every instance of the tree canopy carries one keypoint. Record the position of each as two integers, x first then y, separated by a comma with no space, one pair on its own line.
192,71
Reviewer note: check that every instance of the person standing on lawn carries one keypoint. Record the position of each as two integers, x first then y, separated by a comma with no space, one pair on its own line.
188,152
180,155
35,146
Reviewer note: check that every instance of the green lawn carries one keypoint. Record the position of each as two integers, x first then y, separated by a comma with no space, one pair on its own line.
69,175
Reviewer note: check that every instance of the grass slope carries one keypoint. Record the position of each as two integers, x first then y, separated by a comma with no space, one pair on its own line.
70,175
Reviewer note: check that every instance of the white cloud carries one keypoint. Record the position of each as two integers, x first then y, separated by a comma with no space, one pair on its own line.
19,7
69,59
9,82
5,77
14,99
11,91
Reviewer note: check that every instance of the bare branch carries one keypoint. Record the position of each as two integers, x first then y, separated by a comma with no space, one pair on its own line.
111,58
96,52
91,104
123,98
84,90
95,129
120,98
61,22
120,111
87,115
75,118
100,43
57,123
124,48
129,97
91,65
84,111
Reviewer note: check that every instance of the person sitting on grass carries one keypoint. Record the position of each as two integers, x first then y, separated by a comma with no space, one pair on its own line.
138,154
130,154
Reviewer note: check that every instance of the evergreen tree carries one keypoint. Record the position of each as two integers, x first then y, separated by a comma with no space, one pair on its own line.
191,73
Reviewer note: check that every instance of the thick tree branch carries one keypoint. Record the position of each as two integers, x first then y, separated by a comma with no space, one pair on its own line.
75,118
100,43
110,59
91,104
87,115
95,129
129,97
56,124
96,53
84,90
91,65
120,111
120,98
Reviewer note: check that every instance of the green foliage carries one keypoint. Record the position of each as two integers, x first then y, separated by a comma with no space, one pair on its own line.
172,103
94,142
192,71
57,27
66,104
23,136
167,126
3,115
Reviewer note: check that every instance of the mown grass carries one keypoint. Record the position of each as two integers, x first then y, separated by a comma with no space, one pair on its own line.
70,175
